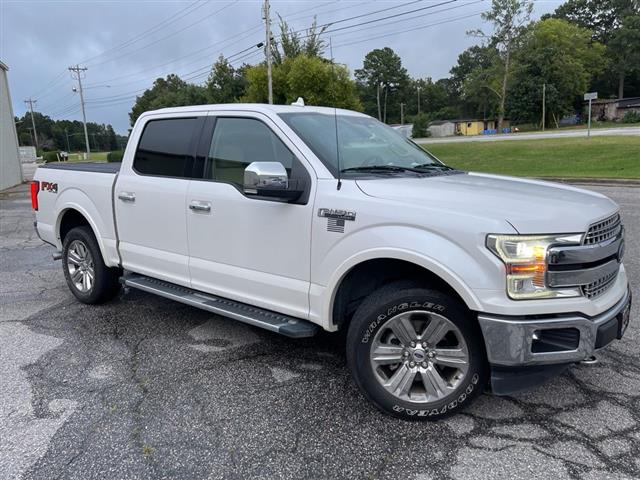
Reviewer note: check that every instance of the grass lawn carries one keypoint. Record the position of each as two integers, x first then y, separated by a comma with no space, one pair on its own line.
598,157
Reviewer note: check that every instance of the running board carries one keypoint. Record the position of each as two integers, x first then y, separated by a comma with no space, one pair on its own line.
258,317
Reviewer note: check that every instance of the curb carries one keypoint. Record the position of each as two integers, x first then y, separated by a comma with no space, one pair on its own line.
613,182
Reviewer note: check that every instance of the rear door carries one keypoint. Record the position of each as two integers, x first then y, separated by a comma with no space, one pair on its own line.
245,248
150,198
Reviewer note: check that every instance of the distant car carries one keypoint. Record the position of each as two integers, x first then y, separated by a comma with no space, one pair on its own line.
295,218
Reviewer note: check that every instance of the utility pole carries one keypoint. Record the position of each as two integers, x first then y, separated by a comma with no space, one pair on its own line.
401,113
76,73
267,49
29,101
544,105
66,133
418,99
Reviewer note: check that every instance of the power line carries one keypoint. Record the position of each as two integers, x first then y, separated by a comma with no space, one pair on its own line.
172,19
398,32
170,35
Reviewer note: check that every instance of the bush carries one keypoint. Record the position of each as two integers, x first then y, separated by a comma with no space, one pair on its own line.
420,124
115,156
631,117
49,157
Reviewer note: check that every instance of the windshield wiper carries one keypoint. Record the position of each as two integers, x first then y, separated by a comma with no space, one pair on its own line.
380,168
437,166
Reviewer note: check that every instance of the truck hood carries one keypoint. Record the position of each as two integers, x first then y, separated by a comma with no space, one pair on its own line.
531,206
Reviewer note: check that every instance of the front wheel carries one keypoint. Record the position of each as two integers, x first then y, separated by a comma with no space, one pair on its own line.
416,353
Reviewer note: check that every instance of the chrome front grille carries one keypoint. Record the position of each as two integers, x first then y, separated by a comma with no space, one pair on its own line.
601,285
603,231
593,265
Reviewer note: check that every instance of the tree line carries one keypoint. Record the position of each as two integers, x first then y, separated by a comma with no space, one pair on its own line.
584,45
67,135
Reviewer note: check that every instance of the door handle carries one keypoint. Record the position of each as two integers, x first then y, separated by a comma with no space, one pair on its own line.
127,196
197,206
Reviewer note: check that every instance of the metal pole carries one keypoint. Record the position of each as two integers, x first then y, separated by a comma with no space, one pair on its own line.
267,47
66,132
401,113
30,102
418,100
589,126
77,70
544,104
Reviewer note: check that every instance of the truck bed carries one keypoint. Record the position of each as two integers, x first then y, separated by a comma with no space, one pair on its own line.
94,167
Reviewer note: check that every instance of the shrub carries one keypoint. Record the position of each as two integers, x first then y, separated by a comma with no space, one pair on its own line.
420,124
115,156
49,157
631,117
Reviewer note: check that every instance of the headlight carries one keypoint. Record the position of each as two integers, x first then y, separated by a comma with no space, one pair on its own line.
525,258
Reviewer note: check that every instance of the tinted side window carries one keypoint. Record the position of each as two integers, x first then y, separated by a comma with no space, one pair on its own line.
164,148
237,142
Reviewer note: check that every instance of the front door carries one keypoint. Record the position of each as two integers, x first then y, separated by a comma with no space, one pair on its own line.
248,249
150,200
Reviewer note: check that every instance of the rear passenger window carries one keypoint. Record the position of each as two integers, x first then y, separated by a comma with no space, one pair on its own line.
237,142
164,148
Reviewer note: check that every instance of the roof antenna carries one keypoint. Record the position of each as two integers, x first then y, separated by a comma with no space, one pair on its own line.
335,118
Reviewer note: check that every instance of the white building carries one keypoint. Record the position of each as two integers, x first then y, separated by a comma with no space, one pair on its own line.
10,167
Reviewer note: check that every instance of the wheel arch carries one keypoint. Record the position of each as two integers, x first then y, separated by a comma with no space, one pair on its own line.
74,216
361,276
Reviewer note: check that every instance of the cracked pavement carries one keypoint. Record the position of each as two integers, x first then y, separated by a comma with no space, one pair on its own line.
146,388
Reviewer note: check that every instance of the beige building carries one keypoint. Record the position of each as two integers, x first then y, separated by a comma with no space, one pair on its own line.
614,110
10,167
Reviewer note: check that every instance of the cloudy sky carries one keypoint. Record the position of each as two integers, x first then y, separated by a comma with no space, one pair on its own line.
126,44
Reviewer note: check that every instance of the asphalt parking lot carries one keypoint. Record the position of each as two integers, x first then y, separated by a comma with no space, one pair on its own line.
145,388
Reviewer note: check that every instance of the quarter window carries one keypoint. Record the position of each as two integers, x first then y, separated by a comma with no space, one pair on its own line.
237,142
164,148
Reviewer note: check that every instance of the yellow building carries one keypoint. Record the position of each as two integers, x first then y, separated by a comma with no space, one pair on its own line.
478,127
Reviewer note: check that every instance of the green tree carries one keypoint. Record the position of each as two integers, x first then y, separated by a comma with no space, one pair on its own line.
510,19
169,92
562,56
225,84
293,43
624,49
317,81
470,78
382,73
602,17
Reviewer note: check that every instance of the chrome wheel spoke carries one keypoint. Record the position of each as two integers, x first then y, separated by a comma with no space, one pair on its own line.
451,357
436,329
387,354
401,381
403,329
76,276
74,258
434,384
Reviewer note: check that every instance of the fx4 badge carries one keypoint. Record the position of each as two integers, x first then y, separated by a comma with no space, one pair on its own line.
337,214
49,187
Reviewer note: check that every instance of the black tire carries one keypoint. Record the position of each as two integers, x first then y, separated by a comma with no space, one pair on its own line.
375,314
104,285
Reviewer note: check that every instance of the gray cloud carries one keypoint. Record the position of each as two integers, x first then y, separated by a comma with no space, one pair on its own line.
40,39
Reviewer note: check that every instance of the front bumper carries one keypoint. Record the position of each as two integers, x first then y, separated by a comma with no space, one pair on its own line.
551,339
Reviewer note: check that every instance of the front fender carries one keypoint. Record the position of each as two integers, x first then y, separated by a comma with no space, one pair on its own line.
462,268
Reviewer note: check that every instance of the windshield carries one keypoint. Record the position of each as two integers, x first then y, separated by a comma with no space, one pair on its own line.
366,145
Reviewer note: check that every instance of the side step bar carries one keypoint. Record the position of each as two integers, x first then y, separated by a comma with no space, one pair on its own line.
258,317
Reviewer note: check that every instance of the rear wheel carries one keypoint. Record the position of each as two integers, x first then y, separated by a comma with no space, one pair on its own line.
415,353
89,279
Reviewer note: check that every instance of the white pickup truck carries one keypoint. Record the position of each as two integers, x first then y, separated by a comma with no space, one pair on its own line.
298,218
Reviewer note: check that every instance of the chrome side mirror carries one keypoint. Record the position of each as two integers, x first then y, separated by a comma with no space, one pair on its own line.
265,176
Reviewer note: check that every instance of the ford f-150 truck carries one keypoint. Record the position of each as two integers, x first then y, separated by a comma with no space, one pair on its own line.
297,218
